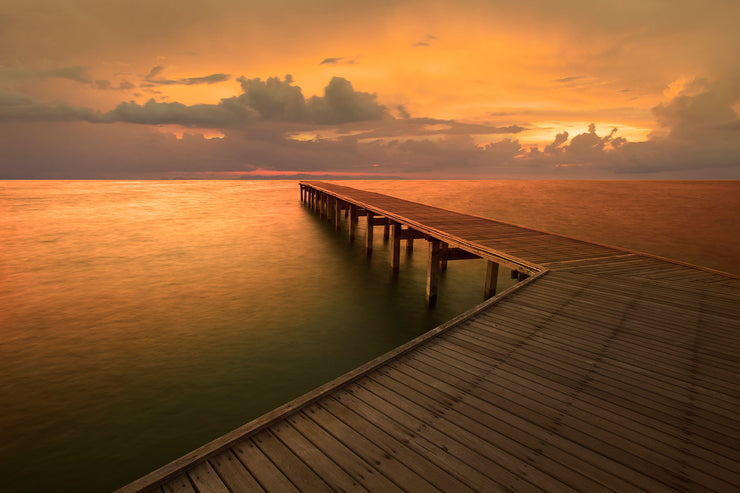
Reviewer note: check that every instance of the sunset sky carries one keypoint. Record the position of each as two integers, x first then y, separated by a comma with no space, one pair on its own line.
417,89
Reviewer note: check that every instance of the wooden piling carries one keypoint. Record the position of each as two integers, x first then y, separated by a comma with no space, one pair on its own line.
369,234
433,271
395,234
351,223
386,232
337,214
491,280
443,262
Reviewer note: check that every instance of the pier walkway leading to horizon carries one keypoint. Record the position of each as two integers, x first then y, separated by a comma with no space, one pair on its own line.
603,369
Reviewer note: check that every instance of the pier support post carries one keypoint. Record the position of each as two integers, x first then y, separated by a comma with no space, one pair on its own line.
386,231
395,230
491,280
409,245
351,224
433,271
337,214
443,263
369,234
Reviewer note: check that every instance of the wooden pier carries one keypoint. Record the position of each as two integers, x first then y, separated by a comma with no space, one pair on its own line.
602,370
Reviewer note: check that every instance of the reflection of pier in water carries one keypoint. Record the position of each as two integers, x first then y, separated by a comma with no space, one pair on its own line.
604,369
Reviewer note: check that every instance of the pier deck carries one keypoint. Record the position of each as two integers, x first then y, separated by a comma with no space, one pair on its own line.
603,369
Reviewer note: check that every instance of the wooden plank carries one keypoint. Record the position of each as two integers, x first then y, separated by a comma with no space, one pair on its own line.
180,484
319,462
206,479
486,400
291,466
262,468
357,467
233,473
408,457
383,459
591,430
448,454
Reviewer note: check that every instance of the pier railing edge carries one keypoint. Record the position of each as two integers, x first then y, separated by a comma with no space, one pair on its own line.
176,467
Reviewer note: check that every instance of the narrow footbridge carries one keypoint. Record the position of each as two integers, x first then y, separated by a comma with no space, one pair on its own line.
601,370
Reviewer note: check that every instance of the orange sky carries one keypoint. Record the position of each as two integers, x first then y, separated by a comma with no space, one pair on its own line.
474,88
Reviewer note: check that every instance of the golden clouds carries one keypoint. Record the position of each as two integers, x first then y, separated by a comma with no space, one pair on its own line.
475,80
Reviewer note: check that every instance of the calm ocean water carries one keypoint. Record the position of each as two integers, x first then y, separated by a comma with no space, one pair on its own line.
139,320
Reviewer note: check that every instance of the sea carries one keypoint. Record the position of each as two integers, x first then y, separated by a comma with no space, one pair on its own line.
141,319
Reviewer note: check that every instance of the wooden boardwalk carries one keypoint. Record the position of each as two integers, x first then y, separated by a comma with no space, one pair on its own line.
602,370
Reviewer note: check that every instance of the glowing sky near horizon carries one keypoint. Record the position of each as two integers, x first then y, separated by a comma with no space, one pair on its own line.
489,89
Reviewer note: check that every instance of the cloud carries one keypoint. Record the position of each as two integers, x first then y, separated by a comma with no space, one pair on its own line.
700,135
697,109
339,61
427,41
154,72
157,70
74,73
342,104
14,106
208,79
273,99
556,146
570,79
199,115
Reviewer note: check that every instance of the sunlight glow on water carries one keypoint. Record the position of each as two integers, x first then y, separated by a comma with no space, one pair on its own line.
139,320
